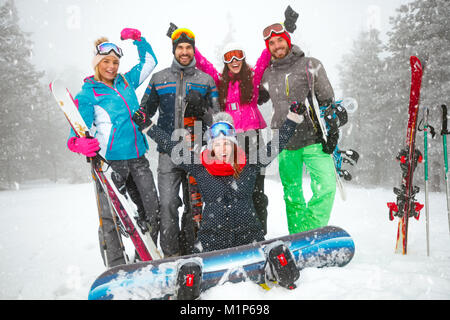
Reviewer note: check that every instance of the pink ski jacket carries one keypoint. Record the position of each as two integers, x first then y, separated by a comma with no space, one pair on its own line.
247,116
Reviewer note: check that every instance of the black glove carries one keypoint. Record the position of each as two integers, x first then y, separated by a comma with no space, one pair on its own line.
171,29
297,107
263,95
290,19
196,104
332,140
141,118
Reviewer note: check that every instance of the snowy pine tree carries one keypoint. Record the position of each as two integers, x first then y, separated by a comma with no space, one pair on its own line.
33,132
19,83
361,71
379,78
421,28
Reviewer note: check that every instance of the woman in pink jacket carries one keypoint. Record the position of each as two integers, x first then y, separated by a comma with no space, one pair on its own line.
238,87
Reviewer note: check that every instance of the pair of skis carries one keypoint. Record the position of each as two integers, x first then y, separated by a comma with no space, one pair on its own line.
406,205
119,204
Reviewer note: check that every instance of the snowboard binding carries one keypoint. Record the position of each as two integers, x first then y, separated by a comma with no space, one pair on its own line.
280,266
336,116
189,279
351,157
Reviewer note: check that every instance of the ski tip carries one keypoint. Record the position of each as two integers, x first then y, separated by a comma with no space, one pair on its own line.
50,85
415,62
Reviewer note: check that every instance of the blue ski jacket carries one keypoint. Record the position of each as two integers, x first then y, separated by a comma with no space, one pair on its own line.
108,110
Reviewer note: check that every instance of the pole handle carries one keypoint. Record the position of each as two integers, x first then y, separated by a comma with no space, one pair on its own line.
444,120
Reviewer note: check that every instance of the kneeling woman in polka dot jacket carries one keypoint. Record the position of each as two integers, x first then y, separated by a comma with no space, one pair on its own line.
226,180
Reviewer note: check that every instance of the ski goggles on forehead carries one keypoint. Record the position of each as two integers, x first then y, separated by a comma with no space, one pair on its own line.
179,32
234,54
105,48
276,28
221,128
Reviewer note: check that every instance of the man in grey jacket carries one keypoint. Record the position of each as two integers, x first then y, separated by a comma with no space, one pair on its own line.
167,92
293,77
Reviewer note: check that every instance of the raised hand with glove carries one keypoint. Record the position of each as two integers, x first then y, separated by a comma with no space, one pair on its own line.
290,19
130,33
85,146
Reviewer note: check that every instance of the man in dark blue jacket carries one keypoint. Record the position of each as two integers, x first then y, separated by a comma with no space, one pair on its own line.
167,93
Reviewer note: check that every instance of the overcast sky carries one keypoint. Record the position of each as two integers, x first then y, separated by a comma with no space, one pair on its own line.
63,31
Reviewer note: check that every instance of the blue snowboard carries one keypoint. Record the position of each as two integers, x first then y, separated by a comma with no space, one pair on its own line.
324,247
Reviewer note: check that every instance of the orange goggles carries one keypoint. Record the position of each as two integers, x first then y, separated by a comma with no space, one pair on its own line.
177,34
276,28
234,54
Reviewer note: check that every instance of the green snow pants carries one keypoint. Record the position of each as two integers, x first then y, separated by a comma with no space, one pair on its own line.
302,216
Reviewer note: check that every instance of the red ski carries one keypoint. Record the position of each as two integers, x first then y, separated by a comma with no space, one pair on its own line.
406,205
145,247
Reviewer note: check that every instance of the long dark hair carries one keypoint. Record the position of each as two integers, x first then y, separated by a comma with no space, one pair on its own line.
245,78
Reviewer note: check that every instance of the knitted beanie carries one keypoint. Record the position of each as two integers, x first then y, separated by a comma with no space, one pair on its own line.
285,35
99,57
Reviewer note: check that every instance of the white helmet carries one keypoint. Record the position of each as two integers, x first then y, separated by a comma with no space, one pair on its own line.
232,46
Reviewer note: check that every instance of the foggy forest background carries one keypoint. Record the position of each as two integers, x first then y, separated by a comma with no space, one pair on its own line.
33,132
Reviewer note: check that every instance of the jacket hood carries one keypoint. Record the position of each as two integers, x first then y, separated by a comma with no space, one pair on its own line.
177,67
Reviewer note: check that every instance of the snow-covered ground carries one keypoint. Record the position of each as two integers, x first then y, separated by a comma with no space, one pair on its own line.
49,248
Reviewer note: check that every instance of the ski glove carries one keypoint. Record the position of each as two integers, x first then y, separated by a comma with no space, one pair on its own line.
263,96
85,146
196,104
297,107
331,143
296,112
171,29
290,19
141,119
130,33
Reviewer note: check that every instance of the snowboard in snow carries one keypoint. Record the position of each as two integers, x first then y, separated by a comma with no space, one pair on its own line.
324,247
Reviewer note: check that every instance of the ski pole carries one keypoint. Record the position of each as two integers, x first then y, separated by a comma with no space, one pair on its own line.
425,151
444,133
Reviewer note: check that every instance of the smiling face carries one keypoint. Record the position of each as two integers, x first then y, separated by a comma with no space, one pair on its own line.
235,66
278,47
184,53
108,68
222,150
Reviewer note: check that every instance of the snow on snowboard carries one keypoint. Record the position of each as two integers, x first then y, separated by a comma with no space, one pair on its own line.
166,278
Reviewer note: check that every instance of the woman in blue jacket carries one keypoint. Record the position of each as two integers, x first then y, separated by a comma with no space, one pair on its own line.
107,102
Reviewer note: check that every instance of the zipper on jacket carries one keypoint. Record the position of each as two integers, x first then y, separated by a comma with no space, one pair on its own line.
112,139
180,101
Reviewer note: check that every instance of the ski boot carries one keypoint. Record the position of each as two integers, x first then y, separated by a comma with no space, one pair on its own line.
189,279
280,266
